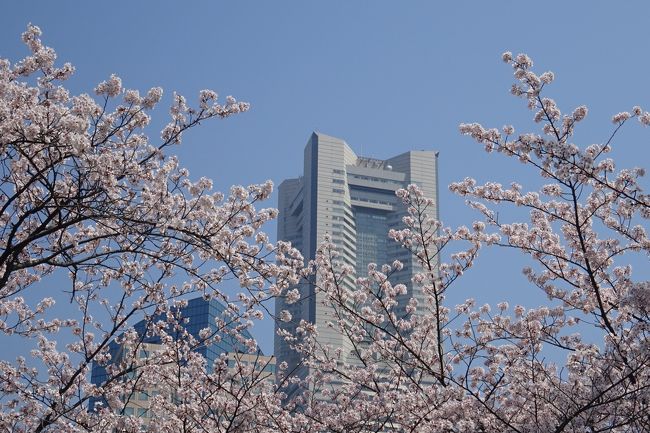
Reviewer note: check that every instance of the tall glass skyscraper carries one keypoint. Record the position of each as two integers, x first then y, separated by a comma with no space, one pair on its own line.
352,199
198,314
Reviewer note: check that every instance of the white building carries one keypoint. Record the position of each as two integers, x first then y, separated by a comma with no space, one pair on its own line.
352,199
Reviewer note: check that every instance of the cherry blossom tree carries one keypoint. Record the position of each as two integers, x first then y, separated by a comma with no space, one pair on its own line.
499,368
86,194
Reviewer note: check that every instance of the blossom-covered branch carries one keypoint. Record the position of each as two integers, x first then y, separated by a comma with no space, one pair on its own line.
84,190
433,368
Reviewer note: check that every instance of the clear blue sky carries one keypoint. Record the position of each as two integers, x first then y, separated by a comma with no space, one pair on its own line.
385,76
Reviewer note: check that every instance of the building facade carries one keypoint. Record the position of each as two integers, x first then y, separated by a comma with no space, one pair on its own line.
352,200
198,314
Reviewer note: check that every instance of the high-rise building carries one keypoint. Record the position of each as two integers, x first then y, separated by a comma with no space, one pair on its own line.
352,200
198,314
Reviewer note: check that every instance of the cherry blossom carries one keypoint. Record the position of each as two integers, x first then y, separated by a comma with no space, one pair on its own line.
86,193
441,368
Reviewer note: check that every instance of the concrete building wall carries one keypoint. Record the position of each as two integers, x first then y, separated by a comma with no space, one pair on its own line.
352,200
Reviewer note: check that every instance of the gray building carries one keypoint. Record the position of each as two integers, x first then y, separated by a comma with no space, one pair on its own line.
352,199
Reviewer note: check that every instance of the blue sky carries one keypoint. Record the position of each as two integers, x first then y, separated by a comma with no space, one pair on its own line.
385,76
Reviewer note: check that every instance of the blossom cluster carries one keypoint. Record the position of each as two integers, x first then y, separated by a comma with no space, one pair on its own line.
409,365
85,193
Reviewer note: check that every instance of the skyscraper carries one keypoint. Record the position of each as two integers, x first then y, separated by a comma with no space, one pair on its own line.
198,314
351,199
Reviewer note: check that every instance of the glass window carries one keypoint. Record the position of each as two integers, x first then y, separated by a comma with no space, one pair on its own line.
372,238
